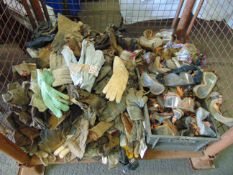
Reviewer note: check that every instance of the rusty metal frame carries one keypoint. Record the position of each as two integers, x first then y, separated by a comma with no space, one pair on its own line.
184,20
23,158
37,10
46,14
193,20
29,13
13,151
175,20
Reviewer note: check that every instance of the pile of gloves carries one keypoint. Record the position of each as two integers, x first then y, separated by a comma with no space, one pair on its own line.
83,93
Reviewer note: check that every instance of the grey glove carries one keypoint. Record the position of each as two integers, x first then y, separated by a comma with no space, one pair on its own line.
85,71
135,100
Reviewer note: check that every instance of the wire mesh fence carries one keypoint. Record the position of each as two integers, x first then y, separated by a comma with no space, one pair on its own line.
214,37
13,36
135,15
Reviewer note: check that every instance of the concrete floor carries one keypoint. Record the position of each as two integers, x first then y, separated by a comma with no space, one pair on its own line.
223,165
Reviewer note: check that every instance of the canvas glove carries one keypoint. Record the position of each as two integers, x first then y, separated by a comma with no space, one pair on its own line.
98,130
135,100
53,99
76,142
61,76
16,94
66,28
60,71
117,83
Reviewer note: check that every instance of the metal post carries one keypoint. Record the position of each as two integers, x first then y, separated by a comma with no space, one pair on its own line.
193,19
185,19
175,20
45,10
13,151
29,13
37,10
205,162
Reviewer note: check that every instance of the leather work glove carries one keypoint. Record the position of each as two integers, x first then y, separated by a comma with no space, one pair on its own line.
16,94
117,83
85,71
74,43
112,110
68,33
127,123
149,40
24,69
76,141
102,79
43,56
53,99
40,42
60,71
85,99
97,131
135,101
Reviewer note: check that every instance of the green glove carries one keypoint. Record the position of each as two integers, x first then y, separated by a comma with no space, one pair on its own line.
53,99
135,100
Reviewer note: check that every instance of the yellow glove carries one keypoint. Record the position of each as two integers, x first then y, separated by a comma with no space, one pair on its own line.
117,83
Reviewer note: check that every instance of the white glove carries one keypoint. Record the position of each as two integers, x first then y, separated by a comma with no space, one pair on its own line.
85,71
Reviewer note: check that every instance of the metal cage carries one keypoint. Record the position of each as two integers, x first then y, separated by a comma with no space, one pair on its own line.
213,35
